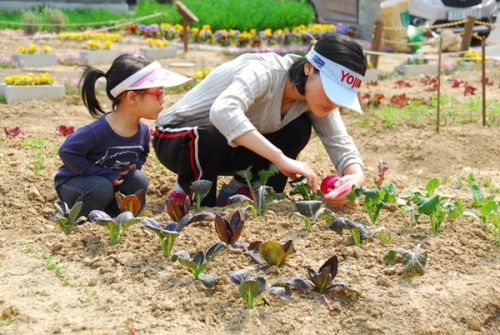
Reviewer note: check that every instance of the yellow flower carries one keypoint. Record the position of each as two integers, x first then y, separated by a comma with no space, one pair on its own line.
30,79
47,49
32,48
107,44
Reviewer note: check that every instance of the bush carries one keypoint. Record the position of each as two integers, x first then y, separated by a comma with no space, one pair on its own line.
55,18
32,22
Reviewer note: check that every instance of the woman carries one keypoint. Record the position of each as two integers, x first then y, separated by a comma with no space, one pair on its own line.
258,109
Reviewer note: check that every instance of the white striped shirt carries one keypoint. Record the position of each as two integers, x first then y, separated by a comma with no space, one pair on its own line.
246,93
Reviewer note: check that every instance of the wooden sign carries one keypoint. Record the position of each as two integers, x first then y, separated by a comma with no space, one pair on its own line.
185,12
187,16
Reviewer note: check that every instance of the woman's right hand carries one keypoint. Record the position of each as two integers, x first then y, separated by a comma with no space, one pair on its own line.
294,169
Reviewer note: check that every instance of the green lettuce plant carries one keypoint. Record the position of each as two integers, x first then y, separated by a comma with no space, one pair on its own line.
264,175
167,232
374,198
383,234
199,263
115,227
67,218
437,207
300,186
251,289
414,261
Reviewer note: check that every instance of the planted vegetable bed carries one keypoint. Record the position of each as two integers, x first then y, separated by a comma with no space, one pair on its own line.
412,269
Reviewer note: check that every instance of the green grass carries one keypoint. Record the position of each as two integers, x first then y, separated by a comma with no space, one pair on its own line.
418,115
223,14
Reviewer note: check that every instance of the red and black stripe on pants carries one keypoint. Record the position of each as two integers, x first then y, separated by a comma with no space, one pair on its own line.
197,150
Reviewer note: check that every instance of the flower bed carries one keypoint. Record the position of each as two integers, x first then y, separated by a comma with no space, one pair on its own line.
13,93
159,53
94,57
415,65
30,87
34,60
415,70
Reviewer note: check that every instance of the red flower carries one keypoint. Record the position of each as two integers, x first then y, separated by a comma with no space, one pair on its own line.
65,131
13,131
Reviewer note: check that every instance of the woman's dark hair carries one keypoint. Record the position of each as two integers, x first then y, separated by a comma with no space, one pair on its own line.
336,47
123,67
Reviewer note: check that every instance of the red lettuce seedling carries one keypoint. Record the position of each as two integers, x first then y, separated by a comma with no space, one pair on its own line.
270,253
69,217
382,169
321,281
177,210
200,188
358,230
13,131
116,227
250,288
414,262
65,130
131,202
168,232
200,262
468,89
399,100
229,231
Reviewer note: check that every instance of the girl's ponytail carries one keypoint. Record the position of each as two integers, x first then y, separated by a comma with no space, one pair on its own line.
88,81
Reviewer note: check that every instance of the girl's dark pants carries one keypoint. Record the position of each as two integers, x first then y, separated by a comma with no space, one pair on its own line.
197,150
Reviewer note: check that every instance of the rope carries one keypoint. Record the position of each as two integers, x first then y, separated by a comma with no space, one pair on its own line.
489,24
436,26
86,23
405,55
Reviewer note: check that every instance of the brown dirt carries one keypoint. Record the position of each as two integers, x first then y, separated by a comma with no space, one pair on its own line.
131,288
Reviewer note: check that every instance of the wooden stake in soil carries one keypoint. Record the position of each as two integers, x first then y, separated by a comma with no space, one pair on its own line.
187,16
438,112
377,40
483,76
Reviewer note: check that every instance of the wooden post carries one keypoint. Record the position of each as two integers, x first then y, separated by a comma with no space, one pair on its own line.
483,76
439,85
377,39
187,16
468,30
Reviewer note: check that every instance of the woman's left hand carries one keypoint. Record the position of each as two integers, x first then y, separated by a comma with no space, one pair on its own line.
353,173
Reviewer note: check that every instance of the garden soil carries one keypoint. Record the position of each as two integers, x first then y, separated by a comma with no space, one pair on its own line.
56,284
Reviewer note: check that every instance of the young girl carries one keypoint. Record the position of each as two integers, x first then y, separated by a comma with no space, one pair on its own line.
107,155
259,109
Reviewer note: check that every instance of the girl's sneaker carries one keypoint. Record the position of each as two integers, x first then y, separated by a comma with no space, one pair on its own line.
224,195
178,196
